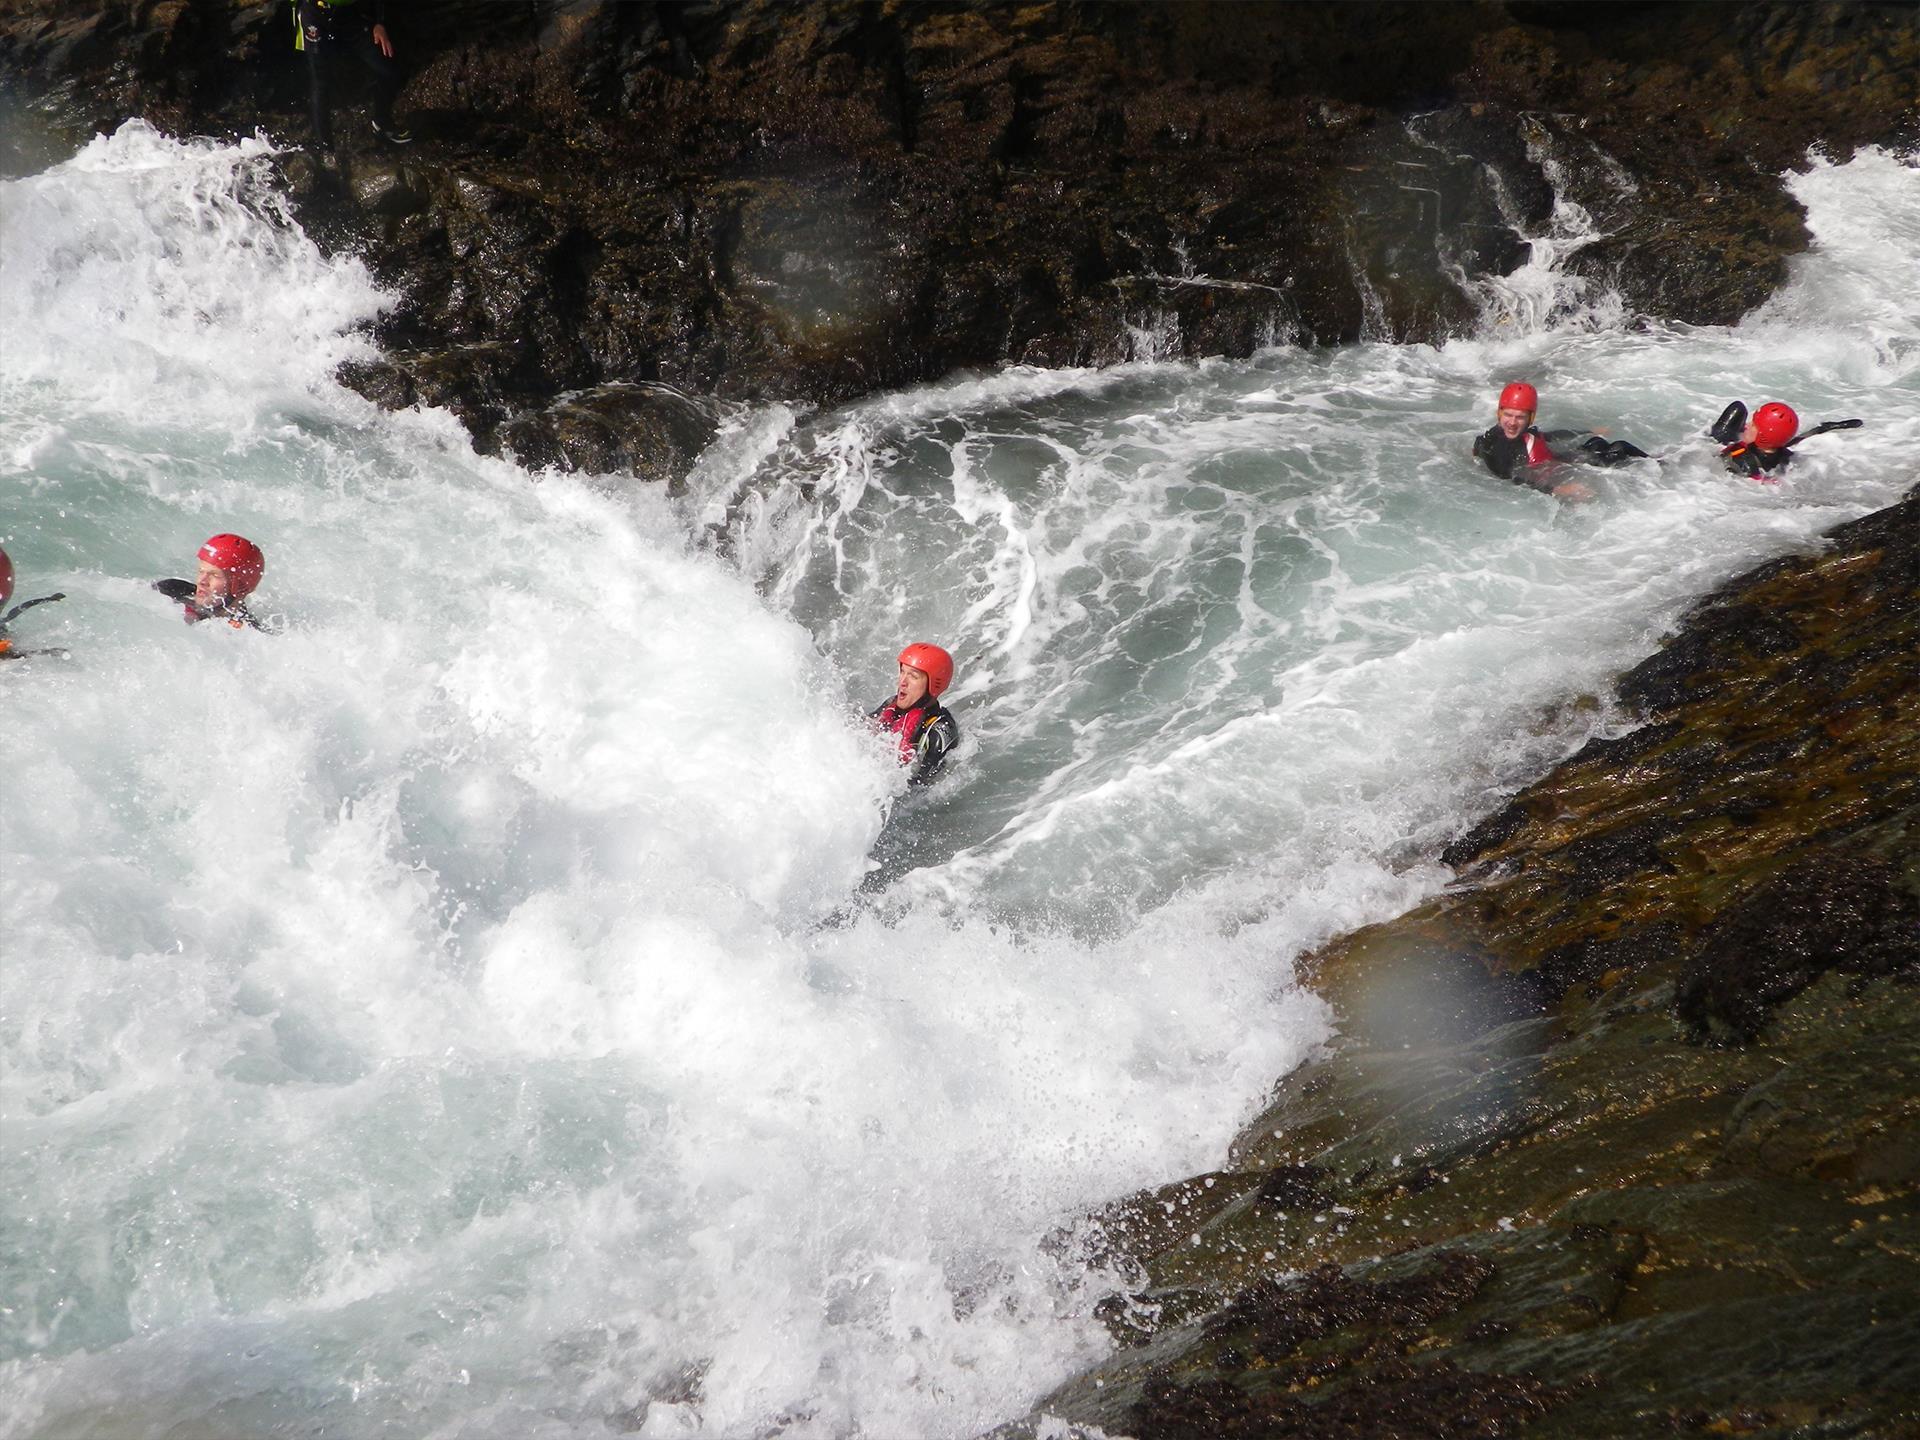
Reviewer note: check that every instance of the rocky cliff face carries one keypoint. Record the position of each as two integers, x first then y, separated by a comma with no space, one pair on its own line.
1621,1135
752,199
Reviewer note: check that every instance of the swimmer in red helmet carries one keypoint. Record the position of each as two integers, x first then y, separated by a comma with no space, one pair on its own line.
7,652
230,569
1514,449
1759,446
914,715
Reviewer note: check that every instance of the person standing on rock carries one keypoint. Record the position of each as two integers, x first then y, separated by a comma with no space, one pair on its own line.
1760,446
328,30
230,569
1515,449
914,715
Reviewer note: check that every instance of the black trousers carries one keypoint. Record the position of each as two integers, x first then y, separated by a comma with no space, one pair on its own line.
326,55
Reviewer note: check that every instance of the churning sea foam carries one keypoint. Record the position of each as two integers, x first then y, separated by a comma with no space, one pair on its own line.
421,1020
453,1015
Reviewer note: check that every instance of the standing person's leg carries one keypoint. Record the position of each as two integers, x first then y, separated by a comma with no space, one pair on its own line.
385,84
320,101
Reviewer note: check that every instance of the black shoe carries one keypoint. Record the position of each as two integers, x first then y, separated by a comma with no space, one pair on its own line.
393,134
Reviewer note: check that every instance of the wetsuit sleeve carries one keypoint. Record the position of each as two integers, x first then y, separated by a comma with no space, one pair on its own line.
937,739
1732,421
182,591
26,605
1601,451
1490,449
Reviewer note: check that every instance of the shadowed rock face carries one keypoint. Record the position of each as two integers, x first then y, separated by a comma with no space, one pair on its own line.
752,199
1621,1135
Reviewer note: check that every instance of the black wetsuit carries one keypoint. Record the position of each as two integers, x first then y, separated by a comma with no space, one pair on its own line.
1732,421
1511,459
927,732
7,652
327,32
234,612
1743,457
1520,458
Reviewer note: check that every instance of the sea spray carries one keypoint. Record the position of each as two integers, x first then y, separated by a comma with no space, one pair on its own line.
454,1016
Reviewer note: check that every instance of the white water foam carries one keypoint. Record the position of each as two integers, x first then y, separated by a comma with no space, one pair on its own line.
419,1022
423,1022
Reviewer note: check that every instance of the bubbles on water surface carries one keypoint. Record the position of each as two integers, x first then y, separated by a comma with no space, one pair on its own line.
427,1018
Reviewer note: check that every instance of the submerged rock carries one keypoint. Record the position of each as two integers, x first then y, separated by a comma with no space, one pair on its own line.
651,432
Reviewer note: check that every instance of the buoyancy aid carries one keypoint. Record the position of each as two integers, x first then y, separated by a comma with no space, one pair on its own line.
1750,460
926,732
1504,456
907,724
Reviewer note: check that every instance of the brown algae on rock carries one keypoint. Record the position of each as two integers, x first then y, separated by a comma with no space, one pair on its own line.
1621,1135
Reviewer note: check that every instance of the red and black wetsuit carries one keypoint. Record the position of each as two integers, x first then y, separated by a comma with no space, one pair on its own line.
234,612
926,731
1530,449
1513,459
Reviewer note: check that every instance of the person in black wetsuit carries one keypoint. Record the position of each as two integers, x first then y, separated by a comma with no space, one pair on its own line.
327,31
7,652
913,713
1517,450
230,569
1759,446
1762,446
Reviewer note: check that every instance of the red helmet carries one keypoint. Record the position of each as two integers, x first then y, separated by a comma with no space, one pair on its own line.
1774,425
932,662
240,558
6,578
1520,396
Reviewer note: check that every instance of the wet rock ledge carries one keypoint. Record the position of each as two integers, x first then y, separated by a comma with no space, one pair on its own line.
615,214
1621,1134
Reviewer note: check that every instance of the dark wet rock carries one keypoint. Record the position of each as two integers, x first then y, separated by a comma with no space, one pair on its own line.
480,383
1294,1187
1404,1402
384,187
650,432
747,200
1604,1226
1821,914
1282,1315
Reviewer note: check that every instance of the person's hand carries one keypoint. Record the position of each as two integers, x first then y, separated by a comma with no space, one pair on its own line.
380,39
1572,490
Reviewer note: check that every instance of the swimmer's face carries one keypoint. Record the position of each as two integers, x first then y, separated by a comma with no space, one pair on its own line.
212,586
913,686
1512,422
1749,433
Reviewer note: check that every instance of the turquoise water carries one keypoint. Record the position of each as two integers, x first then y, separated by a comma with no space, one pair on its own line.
470,1012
